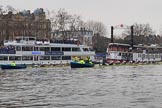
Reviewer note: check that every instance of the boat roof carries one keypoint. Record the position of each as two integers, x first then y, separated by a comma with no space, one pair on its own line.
119,44
136,46
25,41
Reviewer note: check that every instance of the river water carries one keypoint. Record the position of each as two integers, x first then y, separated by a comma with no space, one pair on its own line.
98,87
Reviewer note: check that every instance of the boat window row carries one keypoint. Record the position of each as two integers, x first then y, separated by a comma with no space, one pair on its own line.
25,48
35,58
137,49
148,50
118,48
150,55
128,55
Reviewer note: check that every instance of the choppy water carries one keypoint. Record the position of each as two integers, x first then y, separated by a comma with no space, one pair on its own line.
109,87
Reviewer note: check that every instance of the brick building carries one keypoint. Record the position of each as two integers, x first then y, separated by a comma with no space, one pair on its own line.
83,35
24,24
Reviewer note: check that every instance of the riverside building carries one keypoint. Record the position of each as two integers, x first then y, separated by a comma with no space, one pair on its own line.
24,23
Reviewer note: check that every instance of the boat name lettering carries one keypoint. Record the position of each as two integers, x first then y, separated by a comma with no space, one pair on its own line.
36,52
54,53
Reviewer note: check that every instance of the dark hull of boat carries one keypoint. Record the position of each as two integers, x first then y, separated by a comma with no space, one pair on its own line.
18,66
78,65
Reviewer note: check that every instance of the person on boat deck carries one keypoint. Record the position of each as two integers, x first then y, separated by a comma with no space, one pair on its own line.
13,64
88,60
76,59
81,61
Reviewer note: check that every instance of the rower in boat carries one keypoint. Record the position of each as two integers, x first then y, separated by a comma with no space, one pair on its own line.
81,61
76,59
13,63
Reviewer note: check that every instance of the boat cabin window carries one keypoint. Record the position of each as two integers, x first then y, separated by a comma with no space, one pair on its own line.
16,58
147,56
25,38
91,49
160,50
18,40
26,48
66,49
151,56
159,56
55,57
3,58
27,57
119,47
44,48
18,48
36,49
35,58
138,50
55,49
75,49
143,56
85,49
32,39
66,57
45,58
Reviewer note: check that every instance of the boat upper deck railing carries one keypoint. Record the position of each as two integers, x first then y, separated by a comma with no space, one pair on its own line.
65,41
34,40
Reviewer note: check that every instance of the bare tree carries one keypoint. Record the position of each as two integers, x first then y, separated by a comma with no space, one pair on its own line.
143,34
96,27
76,22
82,24
52,16
140,30
1,9
54,21
47,12
10,9
62,18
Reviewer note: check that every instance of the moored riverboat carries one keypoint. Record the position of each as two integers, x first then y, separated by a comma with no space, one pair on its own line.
33,51
124,53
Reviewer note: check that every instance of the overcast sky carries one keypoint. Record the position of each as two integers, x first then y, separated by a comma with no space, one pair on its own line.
110,12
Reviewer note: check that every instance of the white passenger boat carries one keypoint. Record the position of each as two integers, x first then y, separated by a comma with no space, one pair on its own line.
30,50
117,52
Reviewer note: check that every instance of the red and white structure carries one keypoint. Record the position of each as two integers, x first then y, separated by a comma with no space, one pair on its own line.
117,52
123,52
